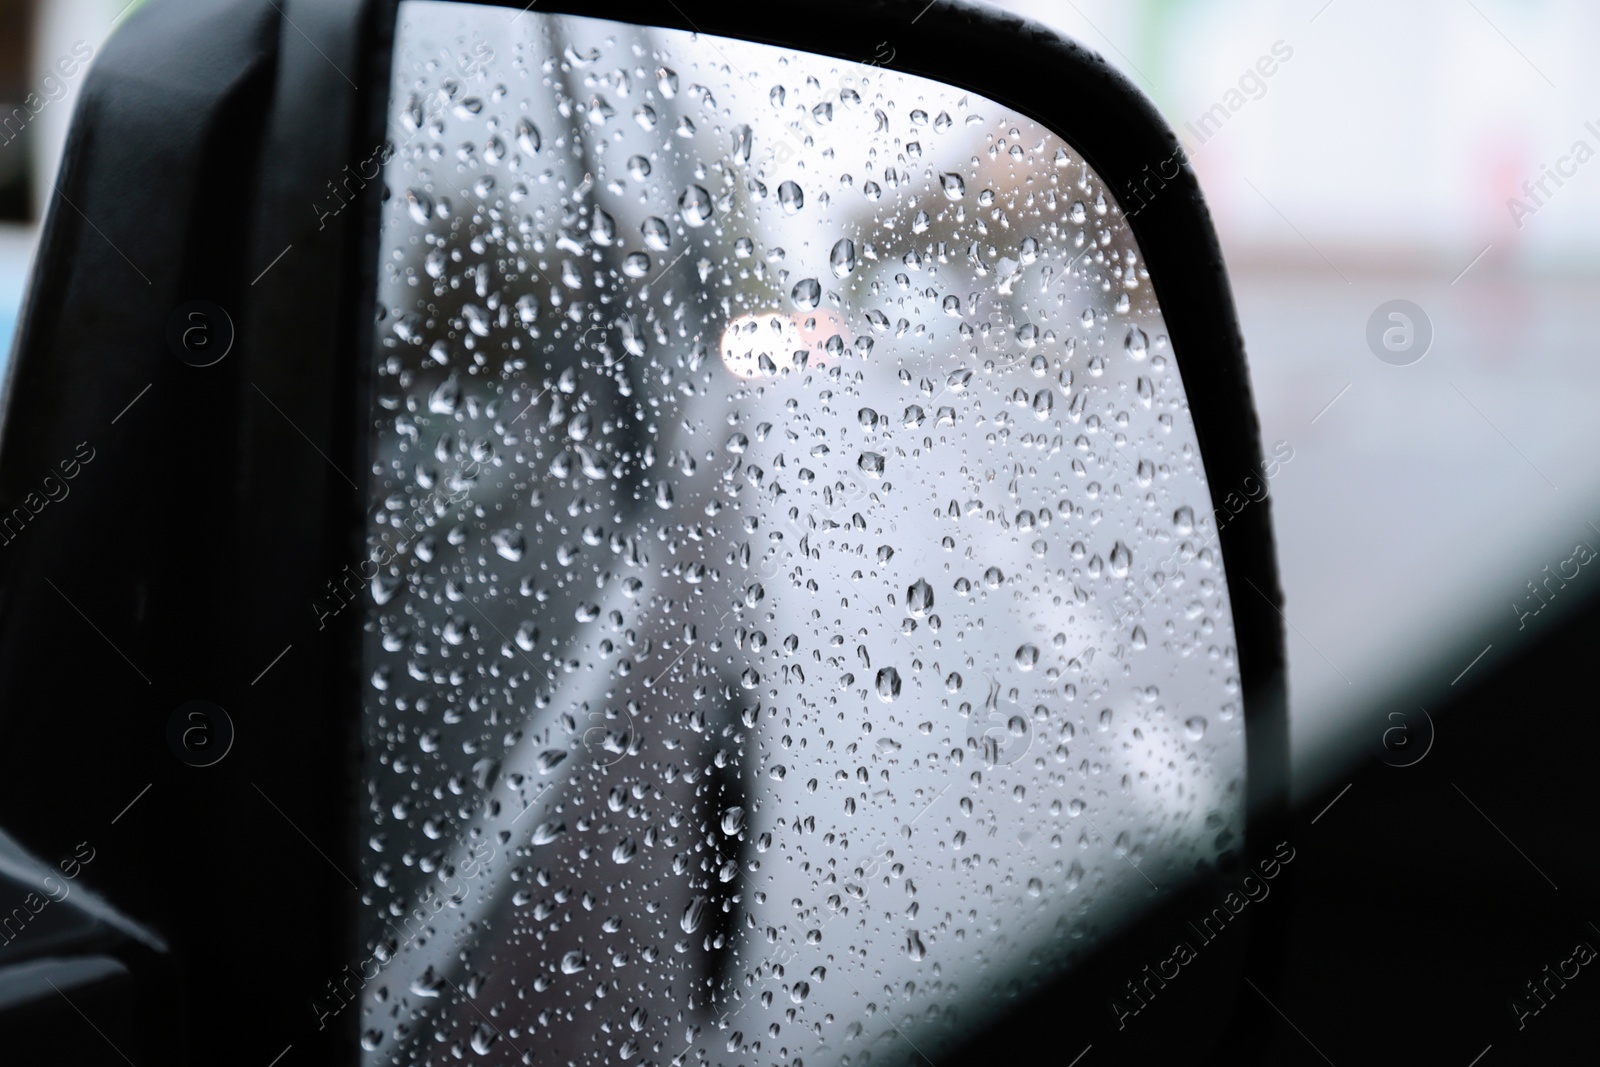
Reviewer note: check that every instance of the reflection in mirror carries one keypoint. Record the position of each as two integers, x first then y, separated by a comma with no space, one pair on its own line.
796,621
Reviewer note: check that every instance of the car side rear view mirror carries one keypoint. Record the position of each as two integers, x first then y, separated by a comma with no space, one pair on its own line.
677,536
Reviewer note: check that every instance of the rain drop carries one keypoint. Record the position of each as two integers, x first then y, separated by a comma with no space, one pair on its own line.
420,205
1138,344
791,197
914,946
694,914
510,544
528,137
807,293
919,598
843,257
695,205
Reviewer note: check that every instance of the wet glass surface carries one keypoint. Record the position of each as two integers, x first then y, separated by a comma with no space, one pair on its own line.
797,621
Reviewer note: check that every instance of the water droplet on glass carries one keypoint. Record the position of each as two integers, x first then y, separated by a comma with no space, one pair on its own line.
741,142
1074,875
420,205
919,598
636,264
656,233
807,293
695,205
914,946
888,684
483,1038
791,197
478,320
528,137
603,228
527,309
427,984
954,187
1137,344
446,397
510,544
843,257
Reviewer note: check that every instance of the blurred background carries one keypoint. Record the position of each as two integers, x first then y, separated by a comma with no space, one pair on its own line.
1442,152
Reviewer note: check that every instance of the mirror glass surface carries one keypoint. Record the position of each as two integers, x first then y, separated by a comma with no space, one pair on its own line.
794,619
